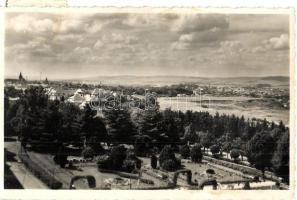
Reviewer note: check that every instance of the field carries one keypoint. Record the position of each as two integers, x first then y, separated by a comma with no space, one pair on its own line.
247,106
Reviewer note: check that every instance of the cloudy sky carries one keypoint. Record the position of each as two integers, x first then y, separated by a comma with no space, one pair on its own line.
81,45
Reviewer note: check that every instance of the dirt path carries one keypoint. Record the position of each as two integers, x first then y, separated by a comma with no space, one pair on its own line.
20,172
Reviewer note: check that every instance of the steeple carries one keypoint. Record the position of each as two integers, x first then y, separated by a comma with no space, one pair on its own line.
46,81
21,78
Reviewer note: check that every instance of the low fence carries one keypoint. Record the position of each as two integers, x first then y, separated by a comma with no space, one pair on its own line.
41,173
127,175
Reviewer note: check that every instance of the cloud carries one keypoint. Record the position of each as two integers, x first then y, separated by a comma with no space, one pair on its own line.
120,38
274,43
71,25
199,22
36,49
29,24
68,38
98,45
179,45
231,46
277,43
149,20
201,38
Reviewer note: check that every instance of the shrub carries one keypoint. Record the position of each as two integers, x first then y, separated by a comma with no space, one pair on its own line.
129,165
88,152
170,165
215,149
167,159
130,155
185,151
114,161
61,160
166,154
117,157
196,153
235,153
154,161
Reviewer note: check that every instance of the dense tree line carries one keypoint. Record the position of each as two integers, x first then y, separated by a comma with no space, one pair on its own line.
46,125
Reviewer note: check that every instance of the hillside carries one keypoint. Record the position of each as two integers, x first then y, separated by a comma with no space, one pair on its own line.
170,80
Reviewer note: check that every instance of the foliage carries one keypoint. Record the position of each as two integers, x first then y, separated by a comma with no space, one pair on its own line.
167,159
120,126
260,150
154,161
117,157
206,139
280,160
215,149
235,153
196,153
190,134
171,126
142,144
170,165
185,151
92,128
45,124
150,124
88,152
129,165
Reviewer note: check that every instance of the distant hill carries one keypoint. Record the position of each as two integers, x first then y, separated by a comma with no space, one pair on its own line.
276,78
171,80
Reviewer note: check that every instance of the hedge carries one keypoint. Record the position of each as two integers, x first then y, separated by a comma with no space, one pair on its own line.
122,174
242,168
45,176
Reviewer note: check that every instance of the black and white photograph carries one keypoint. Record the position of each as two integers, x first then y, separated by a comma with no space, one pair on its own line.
173,99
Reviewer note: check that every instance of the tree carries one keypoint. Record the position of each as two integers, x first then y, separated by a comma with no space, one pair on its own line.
260,150
190,134
240,145
215,149
71,128
150,124
167,159
185,151
235,153
142,144
196,153
117,157
93,129
154,161
61,156
119,125
131,162
281,157
226,146
88,152
171,126
206,140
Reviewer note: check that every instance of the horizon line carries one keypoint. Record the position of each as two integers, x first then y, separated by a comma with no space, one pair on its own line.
150,76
